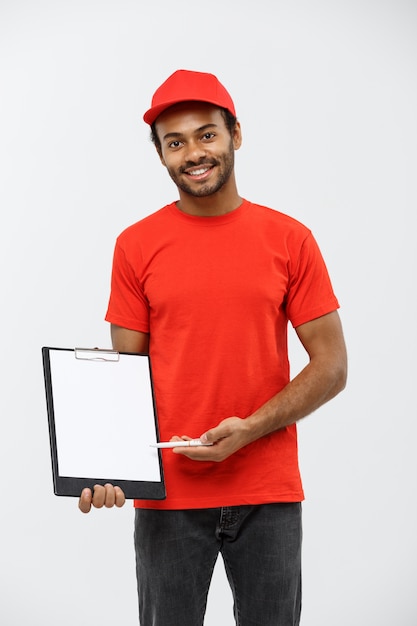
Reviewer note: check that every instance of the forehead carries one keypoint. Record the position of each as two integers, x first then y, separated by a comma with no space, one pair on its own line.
187,117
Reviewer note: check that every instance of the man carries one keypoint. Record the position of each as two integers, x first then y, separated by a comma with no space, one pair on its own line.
208,285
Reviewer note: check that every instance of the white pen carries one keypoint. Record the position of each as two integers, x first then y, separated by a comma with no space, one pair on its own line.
176,444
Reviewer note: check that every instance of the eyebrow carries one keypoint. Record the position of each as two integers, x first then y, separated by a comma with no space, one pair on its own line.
197,131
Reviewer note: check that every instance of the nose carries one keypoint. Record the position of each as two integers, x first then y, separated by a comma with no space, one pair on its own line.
195,151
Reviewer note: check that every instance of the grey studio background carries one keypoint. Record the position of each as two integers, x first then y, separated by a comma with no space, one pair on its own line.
327,98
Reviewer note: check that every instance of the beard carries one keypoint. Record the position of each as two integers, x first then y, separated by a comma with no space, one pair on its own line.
224,165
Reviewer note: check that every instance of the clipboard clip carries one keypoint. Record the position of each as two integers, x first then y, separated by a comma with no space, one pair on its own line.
96,354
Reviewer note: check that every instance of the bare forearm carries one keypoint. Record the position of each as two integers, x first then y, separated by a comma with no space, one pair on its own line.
315,385
322,379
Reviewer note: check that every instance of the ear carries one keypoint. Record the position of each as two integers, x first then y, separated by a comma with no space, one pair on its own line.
161,158
237,136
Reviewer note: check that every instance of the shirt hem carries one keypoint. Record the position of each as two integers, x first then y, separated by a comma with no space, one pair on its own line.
211,503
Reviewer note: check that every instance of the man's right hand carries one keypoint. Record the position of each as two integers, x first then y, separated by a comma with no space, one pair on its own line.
107,496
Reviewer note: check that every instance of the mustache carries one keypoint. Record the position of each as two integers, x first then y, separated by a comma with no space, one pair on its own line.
203,161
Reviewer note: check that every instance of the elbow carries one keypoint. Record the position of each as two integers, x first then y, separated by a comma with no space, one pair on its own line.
340,376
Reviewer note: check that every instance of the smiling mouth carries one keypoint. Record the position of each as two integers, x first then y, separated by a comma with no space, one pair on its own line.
198,172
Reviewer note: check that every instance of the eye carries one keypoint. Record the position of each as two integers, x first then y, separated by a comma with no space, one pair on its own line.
174,144
207,136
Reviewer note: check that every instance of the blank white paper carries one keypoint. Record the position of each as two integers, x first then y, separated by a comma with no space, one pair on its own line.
104,417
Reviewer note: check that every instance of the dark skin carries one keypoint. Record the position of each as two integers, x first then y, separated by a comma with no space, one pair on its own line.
194,139
196,149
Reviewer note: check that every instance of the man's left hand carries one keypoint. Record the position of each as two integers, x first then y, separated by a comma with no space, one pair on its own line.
229,436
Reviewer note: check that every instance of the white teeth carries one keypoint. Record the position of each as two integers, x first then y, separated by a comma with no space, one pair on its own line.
199,172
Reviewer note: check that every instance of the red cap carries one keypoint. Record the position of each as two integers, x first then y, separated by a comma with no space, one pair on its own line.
184,86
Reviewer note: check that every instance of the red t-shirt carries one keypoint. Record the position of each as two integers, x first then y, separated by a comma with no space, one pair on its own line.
216,294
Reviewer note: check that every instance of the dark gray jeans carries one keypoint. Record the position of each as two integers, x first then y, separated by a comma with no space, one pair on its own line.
261,548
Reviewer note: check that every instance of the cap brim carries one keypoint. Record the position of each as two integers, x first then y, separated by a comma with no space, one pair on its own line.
154,112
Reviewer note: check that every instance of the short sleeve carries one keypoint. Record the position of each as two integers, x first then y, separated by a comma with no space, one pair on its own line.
310,292
128,306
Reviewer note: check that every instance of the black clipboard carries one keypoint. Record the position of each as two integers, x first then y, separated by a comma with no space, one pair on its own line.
102,422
